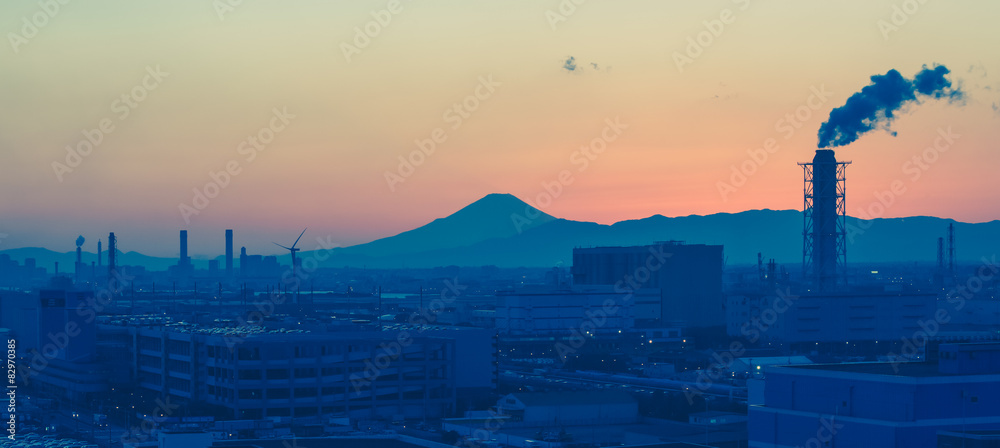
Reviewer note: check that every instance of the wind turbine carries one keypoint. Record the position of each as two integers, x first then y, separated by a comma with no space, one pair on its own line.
293,250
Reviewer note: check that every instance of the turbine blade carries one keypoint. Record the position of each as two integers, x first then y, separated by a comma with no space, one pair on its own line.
300,236
283,247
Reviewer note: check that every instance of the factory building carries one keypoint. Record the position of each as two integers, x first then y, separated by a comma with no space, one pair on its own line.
905,405
569,408
598,309
826,318
278,373
688,276
56,340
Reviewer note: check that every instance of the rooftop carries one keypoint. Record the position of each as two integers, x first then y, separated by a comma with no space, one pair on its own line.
902,369
574,398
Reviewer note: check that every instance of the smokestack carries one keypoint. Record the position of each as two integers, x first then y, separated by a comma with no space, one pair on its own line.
243,261
99,253
79,264
824,252
229,253
824,216
112,269
951,249
184,247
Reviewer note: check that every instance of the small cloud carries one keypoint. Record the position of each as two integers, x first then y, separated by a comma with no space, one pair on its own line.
725,93
979,69
570,64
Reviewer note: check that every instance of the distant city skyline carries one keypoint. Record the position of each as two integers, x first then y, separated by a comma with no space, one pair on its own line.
668,118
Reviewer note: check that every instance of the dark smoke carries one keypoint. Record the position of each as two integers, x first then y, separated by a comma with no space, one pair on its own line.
876,105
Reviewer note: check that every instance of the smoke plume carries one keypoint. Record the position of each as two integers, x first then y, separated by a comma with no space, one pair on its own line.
877,104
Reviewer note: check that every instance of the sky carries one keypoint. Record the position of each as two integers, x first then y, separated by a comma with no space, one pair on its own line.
649,121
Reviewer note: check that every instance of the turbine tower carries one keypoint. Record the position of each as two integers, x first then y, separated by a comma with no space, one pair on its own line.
293,250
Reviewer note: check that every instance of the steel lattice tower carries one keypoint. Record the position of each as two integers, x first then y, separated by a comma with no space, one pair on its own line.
824,232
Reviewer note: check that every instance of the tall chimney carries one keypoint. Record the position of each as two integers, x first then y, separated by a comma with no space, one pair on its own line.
184,247
99,253
824,252
112,268
229,253
243,262
951,249
79,264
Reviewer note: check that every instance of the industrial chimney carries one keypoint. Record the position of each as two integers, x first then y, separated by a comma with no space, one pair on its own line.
112,267
229,253
824,245
79,259
184,248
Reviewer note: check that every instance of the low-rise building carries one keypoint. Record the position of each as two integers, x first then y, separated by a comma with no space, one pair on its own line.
834,318
569,408
367,373
901,404
591,309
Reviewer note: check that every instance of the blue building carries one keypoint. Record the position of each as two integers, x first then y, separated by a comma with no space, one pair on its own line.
902,405
252,372
689,277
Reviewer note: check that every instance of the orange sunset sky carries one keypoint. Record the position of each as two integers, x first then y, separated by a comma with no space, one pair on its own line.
225,66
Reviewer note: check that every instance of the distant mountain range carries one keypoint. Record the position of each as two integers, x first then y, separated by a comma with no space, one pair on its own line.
502,230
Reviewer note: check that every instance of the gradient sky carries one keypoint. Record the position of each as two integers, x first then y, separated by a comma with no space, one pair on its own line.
326,170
